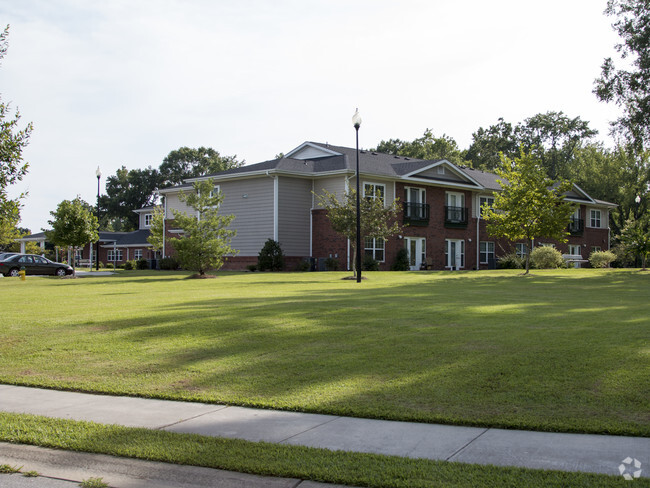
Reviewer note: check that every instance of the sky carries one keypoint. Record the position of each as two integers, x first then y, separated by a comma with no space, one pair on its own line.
114,83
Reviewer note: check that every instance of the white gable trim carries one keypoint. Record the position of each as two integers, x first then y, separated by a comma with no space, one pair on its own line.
309,150
455,169
580,191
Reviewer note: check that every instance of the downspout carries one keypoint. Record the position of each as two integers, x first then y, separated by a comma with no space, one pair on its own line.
276,187
311,222
478,238
164,217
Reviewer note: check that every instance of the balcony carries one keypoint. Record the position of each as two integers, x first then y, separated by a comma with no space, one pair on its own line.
576,226
416,214
456,216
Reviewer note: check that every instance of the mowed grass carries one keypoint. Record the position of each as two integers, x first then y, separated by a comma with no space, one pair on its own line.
559,351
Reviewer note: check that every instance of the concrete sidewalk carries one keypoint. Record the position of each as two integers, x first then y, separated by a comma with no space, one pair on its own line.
566,452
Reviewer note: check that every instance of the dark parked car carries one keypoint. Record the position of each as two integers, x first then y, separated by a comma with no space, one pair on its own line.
34,265
6,255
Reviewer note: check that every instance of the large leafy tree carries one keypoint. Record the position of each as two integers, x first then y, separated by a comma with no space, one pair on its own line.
530,205
206,237
629,87
12,168
426,147
188,162
377,219
488,144
126,191
554,137
73,225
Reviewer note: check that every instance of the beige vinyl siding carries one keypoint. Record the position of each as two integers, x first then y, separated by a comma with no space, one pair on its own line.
334,184
448,175
294,208
173,202
253,214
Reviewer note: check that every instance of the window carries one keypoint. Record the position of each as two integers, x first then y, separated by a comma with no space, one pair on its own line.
137,254
595,249
520,249
455,199
486,252
441,170
374,190
148,218
375,248
455,253
545,244
455,209
594,218
114,255
415,207
489,201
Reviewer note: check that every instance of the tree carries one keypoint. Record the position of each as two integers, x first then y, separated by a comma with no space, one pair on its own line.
635,237
377,220
206,238
126,191
629,88
186,162
12,169
553,138
530,204
488,144
425,147
73,225
157,229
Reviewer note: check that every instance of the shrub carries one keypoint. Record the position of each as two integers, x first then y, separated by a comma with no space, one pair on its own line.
402,262
332,264
546,257
101,265
168,263
510,261
271,256
601,259
251,267
130,264
303,265
369,263
142,264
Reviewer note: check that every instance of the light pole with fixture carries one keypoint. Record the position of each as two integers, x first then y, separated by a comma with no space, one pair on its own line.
98,173
356,121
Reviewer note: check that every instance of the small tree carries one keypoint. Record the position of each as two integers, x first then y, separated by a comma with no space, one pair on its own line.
73,225
530,205
206,237
271,256
157,229
601,259
635,237
377,220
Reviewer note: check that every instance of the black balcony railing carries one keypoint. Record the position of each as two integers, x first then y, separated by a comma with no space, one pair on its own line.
576,226
416,213
456,216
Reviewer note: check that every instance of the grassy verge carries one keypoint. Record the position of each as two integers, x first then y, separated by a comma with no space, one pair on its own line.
283,461
559,351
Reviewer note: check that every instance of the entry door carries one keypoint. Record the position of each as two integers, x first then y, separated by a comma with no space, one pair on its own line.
455,253
416,247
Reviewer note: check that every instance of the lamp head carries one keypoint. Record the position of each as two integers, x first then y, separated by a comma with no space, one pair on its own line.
98,172
356,119
637,199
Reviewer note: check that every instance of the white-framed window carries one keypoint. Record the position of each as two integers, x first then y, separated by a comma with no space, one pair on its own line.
137,254
374,190
520,250
486,251
455,253
484,200
148,218
375,248
545,244
455,199
575,250
114,255
78,255
596,249
441,170
594,218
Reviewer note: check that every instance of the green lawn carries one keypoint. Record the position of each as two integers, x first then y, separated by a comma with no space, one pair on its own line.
561,350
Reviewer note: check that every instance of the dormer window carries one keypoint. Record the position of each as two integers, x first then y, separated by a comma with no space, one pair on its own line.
148,219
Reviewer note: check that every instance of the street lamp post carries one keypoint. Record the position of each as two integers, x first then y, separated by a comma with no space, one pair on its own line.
356,121
98,173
